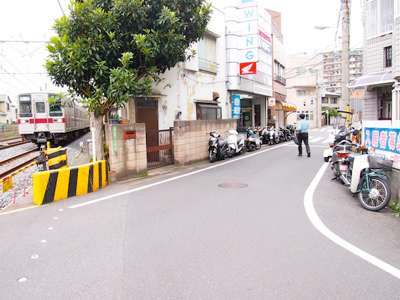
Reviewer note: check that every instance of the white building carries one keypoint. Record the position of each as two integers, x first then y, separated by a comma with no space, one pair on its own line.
381,62
229,77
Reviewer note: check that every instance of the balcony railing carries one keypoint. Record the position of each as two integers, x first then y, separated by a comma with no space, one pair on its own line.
208,66
280,79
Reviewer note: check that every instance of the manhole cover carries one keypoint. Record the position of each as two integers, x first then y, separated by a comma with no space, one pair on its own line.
233,185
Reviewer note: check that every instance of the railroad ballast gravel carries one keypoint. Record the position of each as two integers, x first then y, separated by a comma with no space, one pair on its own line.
25,178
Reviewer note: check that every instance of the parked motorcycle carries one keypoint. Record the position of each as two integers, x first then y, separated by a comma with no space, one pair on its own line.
287,134
264,135
253,141
339,132
341,137
273,136
363,173
235,143
340,153
291,129
217,147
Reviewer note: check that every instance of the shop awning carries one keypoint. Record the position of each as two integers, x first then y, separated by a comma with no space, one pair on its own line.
379,78
286,106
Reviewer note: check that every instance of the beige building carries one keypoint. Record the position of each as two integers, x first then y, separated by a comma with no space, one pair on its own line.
6,110
304,88
332,69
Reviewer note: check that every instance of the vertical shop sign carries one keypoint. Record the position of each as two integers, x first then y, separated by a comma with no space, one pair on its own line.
115,139
236,106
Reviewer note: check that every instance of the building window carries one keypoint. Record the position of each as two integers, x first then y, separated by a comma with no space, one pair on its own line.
301,92
325,100
309,115
388,56
380,17
333,100
208,111
279,72
208,54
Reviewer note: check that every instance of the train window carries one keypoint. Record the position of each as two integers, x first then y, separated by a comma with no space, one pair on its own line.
25,106
40,108
55,108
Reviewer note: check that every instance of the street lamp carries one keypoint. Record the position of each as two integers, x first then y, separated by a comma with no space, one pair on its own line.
322,27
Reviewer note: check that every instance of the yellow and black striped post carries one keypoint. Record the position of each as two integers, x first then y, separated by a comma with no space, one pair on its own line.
57,158
63,183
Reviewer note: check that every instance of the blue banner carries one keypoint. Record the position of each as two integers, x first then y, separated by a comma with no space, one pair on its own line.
236,106
385,139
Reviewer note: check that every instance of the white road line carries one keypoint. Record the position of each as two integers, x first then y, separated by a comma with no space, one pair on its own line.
316,221
171,179
315,140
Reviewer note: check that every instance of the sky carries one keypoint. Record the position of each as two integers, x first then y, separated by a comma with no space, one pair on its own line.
26,25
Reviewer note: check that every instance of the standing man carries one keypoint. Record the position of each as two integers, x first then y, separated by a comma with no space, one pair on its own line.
303,135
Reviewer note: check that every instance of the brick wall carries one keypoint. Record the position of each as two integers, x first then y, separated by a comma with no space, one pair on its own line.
191,138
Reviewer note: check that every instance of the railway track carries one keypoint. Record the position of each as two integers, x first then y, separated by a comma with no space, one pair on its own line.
8,160
13,144
16,167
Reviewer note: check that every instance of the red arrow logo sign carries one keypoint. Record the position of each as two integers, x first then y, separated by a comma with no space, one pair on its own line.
248,68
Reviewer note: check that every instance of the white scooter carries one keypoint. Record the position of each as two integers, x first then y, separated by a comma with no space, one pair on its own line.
364,176
235,143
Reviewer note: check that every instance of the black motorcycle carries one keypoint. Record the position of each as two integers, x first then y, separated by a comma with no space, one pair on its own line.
217,147
287,134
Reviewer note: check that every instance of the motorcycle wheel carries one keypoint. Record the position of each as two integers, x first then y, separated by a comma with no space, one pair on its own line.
277,141
212,157
258,146
335,168
271,142
231,152
377,197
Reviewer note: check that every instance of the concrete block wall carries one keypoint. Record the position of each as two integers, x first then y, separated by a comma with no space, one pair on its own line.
394,177
370,105
191,138
130,157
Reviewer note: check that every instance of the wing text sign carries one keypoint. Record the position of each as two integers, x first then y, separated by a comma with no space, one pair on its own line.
248,68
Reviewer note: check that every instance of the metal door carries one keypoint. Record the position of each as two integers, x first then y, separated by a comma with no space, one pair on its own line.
40,113
159,147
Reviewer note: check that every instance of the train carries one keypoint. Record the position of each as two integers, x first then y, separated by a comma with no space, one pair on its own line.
45,117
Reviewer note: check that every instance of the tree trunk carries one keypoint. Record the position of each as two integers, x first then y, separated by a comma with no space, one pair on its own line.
98,137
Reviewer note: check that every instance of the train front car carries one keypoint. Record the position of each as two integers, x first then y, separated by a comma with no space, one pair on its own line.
44,118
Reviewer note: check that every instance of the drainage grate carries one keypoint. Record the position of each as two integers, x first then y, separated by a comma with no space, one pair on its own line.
233,185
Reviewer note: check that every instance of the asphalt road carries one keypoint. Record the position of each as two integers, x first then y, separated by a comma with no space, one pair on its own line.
258,226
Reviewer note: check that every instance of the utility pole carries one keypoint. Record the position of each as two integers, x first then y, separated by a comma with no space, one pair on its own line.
345,101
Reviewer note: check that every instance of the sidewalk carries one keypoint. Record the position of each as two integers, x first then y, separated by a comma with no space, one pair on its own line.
27,201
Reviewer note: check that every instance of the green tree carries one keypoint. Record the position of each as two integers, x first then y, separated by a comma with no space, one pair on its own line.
108,51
